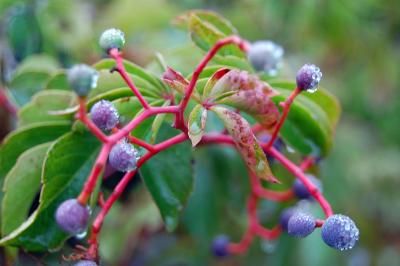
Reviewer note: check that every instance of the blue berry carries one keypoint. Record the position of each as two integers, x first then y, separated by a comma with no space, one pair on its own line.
82,78
123,156
72,217
85,263
340,232
266,56
301,224
308,77
112,38
220,246
285,216
301,191
104,115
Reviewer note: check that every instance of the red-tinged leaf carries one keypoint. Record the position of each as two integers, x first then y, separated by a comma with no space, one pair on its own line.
249,94
197,123
246,143
213,80
175,80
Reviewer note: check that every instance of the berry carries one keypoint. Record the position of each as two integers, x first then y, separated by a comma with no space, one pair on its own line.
123,156
340,232
112,38
285,216
104,115
301,224
82,78
72,216
308,77
219,246
266,56
301,191
85,263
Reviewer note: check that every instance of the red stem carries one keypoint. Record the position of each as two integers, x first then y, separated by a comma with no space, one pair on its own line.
128,176
295,170
307,163
92,180
114,53
179,123
286,107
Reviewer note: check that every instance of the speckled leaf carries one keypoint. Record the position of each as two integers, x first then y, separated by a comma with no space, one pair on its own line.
246,143
246,92
197,123
213,80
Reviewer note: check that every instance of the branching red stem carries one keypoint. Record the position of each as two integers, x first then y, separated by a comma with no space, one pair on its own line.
286,108
6,103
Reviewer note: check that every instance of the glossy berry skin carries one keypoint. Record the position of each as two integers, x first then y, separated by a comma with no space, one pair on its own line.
123,157
308,77
301,191
340,232
285,216
219,246
104,115
265,56
112,38
85,263
72,217
82,78
301,224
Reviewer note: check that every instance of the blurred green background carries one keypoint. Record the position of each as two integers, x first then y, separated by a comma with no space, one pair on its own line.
356,44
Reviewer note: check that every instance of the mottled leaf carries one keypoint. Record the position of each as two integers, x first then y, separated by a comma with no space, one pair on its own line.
246,143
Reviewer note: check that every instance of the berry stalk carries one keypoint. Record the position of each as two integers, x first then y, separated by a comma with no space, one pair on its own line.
114,53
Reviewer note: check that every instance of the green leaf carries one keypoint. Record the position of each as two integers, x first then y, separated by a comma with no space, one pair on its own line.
38,63
58,81
21,185
26,84
67,165
133,69
246,143
205,34
197,123
27,137
213,18
311,122
43,104
169,178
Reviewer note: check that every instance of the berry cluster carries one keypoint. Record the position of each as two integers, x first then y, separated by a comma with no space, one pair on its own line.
338,231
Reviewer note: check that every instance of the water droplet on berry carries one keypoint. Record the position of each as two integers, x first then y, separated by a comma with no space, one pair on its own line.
81,235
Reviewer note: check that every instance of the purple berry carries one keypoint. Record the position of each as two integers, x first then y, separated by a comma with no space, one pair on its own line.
123,156
301,224
301,191
82,79
340,232
112,38
72,216
85,263
265,56
104,115
285,216
308,77
219,246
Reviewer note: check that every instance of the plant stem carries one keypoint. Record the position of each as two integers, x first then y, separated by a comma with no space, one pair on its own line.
114,53
286,108
179,123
